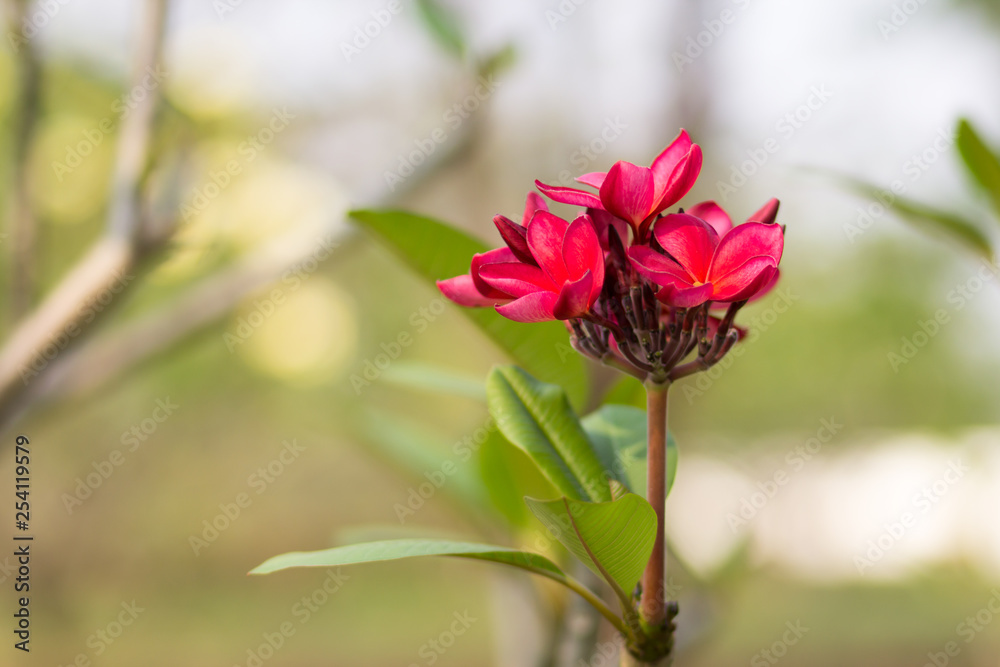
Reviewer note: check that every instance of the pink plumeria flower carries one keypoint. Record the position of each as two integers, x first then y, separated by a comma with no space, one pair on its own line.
567,279
707,259
637,194
562,281
470,290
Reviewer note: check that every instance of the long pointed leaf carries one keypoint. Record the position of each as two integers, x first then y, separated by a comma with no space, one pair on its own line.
537,417
982,162
371,552
436,251
930,219
390,550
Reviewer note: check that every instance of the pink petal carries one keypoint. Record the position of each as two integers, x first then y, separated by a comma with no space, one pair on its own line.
681,180
627,192
532,204
665,163
462,291
767,213
689,240
570,196
684,297
594,179
603,221
768,286
489,257
581,248
574,298
744,242
713,214
745,281
537,307
660,269
516,279
515,236
546,232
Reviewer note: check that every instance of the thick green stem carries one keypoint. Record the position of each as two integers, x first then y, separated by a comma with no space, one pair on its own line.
652,606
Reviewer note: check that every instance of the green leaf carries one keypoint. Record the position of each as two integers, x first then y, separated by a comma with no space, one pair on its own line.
508,476
417,375
618,433
614,539
982,162
437,251
537,417
372,552
930,219
389,550
627,391
443,25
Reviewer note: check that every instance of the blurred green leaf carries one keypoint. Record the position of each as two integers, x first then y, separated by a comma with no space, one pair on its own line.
509,475
614,539
420,456
371,552
981,161
537,417
417,375
498,61
930,219
627,391
618,433
443,26
436,251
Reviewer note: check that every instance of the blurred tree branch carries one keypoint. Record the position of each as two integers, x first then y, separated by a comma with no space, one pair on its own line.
67,312
23,233
104,358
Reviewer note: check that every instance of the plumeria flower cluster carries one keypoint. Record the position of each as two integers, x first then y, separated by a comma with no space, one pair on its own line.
638,288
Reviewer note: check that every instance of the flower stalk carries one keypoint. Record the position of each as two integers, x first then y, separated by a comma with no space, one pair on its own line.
652,605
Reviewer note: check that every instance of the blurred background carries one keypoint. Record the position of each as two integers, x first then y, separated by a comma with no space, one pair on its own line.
217,400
